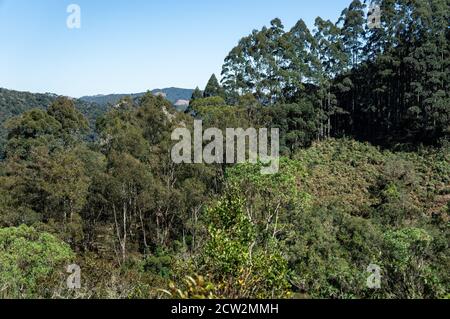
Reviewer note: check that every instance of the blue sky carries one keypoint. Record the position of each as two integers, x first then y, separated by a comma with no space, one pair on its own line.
127,46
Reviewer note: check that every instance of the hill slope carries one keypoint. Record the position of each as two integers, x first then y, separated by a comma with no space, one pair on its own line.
14,103
172,94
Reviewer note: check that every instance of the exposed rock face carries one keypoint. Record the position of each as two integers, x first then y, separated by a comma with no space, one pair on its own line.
164,95
182,105
169,116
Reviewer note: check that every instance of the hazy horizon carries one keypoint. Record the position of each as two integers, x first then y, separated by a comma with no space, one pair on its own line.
97,94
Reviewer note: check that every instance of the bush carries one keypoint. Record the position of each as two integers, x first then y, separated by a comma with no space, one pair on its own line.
31,263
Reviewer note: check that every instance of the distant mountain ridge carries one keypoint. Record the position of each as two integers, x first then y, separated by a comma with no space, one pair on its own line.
172,94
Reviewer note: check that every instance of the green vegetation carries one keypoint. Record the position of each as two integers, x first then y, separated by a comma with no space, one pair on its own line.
172,94
31,263
386,85
213,88
364,175
14,103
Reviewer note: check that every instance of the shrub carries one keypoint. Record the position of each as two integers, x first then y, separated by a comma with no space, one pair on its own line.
31,263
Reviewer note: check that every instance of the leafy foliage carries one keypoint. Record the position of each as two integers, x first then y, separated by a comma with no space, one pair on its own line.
14,103
31,263
387,85
102,190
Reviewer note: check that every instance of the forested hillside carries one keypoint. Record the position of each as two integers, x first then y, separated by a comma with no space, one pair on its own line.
135,222
364,176
172,94
14,103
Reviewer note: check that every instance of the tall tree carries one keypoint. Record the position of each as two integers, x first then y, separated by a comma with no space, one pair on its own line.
353,21
197,94
257,64
329,62
213,88
297,69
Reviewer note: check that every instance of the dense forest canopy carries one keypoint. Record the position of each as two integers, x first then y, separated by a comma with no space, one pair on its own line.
386,84
364,176
14,103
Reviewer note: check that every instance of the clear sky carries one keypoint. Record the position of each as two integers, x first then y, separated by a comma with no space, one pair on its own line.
126,46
